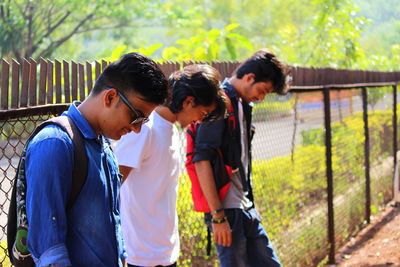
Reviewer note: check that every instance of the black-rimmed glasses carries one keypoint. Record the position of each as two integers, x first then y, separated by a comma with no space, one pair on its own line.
138,116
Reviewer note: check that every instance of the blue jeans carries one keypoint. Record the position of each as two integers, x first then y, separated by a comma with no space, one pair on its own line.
250,243
172,265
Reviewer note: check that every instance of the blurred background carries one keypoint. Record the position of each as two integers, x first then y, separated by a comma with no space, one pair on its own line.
358,34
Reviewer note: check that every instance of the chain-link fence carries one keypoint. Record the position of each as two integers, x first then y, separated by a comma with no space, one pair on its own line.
13,135
289,169
289,173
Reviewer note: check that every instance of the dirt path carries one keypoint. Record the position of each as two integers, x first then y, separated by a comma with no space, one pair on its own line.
377,245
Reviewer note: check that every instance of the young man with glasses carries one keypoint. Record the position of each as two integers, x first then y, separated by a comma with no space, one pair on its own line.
149,162
89,232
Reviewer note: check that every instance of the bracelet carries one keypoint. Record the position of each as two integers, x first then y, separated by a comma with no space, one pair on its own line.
216,211
219,220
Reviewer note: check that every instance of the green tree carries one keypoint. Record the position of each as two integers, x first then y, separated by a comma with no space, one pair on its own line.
37,28
330,38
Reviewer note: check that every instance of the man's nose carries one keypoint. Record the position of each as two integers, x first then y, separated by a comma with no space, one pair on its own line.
136,127
260,97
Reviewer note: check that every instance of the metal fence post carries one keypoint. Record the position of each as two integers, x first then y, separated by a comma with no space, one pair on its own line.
329,175
367,156
395,129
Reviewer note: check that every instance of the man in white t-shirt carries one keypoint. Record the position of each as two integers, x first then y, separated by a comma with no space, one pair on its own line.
149,162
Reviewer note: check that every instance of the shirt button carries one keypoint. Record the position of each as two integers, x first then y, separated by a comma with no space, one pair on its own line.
54,218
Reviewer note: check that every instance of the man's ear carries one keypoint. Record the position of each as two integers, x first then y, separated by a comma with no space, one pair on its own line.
249,78
109,97
188,101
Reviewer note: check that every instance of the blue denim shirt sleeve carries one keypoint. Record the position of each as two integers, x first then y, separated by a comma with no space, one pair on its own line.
49,161
56,256
208,138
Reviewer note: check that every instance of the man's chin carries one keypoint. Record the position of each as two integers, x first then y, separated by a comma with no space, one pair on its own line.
115,137
183,124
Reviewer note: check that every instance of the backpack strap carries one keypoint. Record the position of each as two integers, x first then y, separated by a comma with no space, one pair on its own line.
232,127
190,140
230,114
79,172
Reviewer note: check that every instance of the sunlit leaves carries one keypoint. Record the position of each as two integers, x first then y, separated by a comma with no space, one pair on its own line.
209,45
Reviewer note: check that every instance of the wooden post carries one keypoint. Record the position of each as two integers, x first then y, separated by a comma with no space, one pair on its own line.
32,98
26,69
5,73
67,89
97,69
15,84
42,82
81,78
74,81
50,82
89,79
58,81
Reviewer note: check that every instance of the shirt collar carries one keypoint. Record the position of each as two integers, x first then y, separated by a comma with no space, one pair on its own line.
80,121
229,89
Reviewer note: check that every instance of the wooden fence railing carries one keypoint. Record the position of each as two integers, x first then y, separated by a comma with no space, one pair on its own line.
31,83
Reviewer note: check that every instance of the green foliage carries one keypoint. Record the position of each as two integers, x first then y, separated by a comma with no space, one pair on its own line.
312,136
329,38
123,49
205,46
209,45
192,228
383,33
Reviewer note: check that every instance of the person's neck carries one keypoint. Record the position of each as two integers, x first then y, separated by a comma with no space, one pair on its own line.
166,113
89,110
237,84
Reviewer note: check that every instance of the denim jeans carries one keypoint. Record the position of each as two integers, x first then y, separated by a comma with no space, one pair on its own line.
250,243
172,265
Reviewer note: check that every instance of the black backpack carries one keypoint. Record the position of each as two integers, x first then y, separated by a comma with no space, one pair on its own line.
17,223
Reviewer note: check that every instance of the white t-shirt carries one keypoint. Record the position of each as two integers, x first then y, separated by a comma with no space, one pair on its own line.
148,195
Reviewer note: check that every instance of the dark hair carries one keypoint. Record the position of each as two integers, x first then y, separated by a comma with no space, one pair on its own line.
200,81
134,72
266,67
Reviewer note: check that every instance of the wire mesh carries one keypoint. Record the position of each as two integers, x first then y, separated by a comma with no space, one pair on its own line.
289,179
289,174
381,131
13,135
347,163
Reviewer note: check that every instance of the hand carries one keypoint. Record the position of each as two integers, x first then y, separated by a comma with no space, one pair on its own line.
222,234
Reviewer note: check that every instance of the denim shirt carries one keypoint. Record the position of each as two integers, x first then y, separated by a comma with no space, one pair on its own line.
89,233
